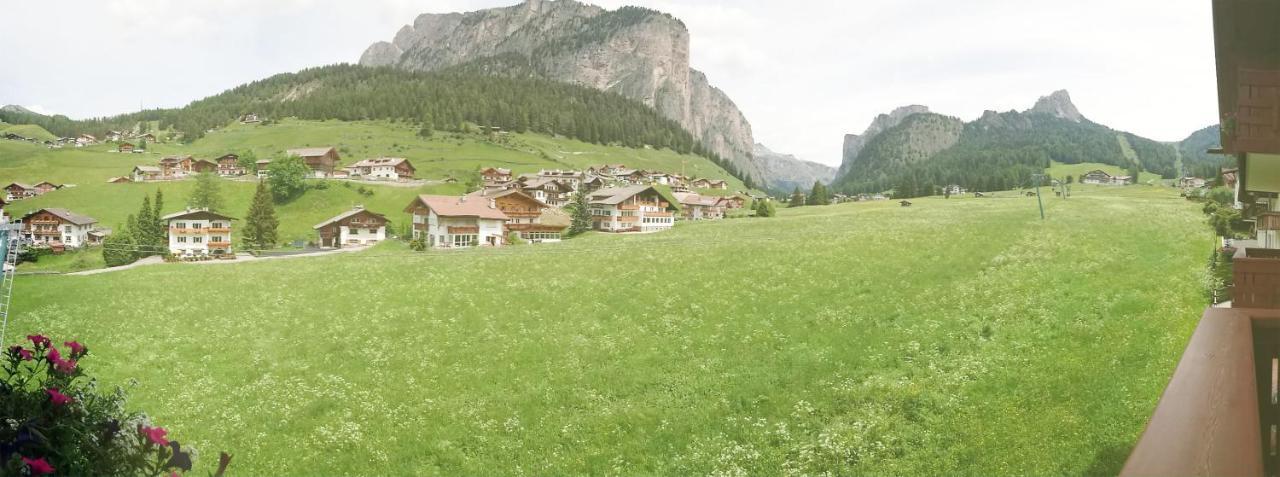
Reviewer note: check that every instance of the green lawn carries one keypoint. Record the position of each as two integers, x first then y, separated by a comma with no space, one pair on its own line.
955,337
1059,170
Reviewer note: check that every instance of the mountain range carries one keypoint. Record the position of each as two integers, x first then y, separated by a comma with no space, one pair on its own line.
635,52
785,172
915,151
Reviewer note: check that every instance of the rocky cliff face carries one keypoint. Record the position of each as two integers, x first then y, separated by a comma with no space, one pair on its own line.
1058,104
785,172
853,143
638,53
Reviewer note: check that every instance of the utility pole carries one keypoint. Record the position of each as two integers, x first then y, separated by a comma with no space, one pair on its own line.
1038,178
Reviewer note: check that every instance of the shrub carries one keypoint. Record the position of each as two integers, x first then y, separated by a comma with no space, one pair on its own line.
55,420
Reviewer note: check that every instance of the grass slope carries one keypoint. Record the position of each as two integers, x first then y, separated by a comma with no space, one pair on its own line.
442,156
27,130
1059,170
955,337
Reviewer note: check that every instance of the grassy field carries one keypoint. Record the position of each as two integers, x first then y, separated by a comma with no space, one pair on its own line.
954,337
444,155
27,130
1059,170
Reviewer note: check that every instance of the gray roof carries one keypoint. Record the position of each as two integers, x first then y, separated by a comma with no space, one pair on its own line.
346,214
615,195
147,168
195,213
66,215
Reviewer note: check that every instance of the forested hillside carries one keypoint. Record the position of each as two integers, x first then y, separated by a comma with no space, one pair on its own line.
444,100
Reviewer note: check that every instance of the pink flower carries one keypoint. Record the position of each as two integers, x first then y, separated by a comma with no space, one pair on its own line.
57,398
38,466
21,353
54,355
155,435
66,366
39,340
76,348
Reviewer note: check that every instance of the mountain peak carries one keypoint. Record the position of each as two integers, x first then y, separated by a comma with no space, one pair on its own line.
14,108
1058,104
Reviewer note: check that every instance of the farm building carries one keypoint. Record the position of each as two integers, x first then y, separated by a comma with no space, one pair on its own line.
119,180
631,209
447,222
125,147
1095,176
263,166
321,160
385,168
550,191
197,233
355,227
1191,182
524,214
176,166
46,187
146,173
57,227
229,165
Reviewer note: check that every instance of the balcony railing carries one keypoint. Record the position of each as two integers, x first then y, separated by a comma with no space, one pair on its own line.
1256,278
219,230
219,244
1209,420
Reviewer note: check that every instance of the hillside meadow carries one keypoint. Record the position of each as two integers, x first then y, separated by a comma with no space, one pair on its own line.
436,158
955,337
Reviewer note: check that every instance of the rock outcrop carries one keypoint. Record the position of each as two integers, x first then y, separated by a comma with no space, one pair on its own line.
785,172
1059,105
853,143
635,52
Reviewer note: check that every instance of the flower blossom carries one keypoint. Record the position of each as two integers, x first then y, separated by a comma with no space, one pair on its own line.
57,398
38,466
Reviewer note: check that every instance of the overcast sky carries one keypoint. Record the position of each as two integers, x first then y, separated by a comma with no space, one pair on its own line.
805,72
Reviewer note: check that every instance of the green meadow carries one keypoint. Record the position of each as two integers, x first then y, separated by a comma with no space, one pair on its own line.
1059,170
441,156
955,337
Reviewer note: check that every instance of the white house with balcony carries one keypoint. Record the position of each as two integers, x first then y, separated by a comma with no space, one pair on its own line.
195,233
449,222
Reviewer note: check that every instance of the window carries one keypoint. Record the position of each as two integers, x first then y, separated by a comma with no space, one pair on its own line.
181,225
197,239
373,231
464,240
182,240
196,226
68,229
215,239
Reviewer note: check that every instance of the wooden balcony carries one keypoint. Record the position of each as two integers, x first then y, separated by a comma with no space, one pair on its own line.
219,244
1219,413
1255,278
463,230
658,214
628,207
628,220
219,230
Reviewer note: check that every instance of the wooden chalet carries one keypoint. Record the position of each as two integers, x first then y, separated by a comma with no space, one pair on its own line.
546,190
125,147
203,165
46,187
631,209
321,160
353,228
229,165
18,191
176,166
494,175
57,227
524,214
262,166
1220,414
695,206
198,233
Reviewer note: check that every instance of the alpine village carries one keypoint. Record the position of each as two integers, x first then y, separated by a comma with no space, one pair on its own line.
535,240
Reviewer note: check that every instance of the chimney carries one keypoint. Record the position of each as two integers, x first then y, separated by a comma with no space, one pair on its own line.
493,204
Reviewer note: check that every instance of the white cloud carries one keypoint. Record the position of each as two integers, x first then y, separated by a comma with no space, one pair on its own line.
805,72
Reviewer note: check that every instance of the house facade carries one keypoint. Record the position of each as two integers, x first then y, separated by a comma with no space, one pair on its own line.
125,147
697,207
321,160
524,214
494,175
453,222
353,228
630,209
19,191
199,233
175,167
146,173
229,165
59,227
383,168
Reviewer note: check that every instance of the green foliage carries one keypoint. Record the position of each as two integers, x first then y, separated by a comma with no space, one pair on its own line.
579,213
765,208
818,195
797,198
208,194
119,248
288,176
260,227
1225,220
57,422
247,160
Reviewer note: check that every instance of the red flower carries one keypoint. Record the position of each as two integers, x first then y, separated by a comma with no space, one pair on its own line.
54,355
38,466
57,398
21,352
155,435
39,340
65,366
76,348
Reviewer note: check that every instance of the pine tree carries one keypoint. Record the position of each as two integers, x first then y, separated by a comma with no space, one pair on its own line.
580,211
159,230
142,226
207,195
260,222
819,195
797,198
120,248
